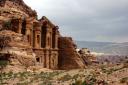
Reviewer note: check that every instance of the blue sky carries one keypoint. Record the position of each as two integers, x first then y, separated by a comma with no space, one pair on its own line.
87,20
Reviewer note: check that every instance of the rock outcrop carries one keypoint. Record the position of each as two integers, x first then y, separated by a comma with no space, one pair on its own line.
18,5
15,48
86,55
68,56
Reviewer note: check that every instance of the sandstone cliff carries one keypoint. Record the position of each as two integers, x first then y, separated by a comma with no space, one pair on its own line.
68,57
17,48
18,5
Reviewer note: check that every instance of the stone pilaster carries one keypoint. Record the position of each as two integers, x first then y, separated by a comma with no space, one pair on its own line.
47,59
47,39
56,40
29,32
20,26
43,60
37,35
50,38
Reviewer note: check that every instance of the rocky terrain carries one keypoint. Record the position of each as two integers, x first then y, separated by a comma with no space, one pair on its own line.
92,75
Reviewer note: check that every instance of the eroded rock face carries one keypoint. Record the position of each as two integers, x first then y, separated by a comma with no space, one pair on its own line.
68,57
19,5
13,39
17,48
86,55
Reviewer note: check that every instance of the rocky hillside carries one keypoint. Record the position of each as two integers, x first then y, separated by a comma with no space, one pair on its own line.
18,50
68,57
92,75
18,5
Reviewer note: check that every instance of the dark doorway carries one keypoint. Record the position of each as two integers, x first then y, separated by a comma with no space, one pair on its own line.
38,59
15,25
23,30
43,36
38,39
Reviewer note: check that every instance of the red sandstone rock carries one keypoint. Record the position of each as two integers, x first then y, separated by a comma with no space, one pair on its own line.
16,49
18,4
68,57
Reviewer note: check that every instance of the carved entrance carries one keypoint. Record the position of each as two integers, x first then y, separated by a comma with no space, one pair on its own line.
23,30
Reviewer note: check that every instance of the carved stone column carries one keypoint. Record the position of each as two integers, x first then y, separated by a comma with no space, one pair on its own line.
37,35
56,37
48,39
47,59
20,26
51,38
43,60
29,30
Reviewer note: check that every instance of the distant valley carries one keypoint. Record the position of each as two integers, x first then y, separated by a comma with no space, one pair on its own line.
105,47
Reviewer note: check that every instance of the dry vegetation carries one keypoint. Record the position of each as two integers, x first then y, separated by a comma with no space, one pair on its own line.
93,75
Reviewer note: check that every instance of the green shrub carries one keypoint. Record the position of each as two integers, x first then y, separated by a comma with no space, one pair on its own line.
77,82
7,25
3,64
66,77
125,64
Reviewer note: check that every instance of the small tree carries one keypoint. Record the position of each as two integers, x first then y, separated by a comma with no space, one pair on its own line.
3,64
4,40
7,25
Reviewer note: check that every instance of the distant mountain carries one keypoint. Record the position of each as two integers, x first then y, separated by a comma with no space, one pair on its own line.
105,47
